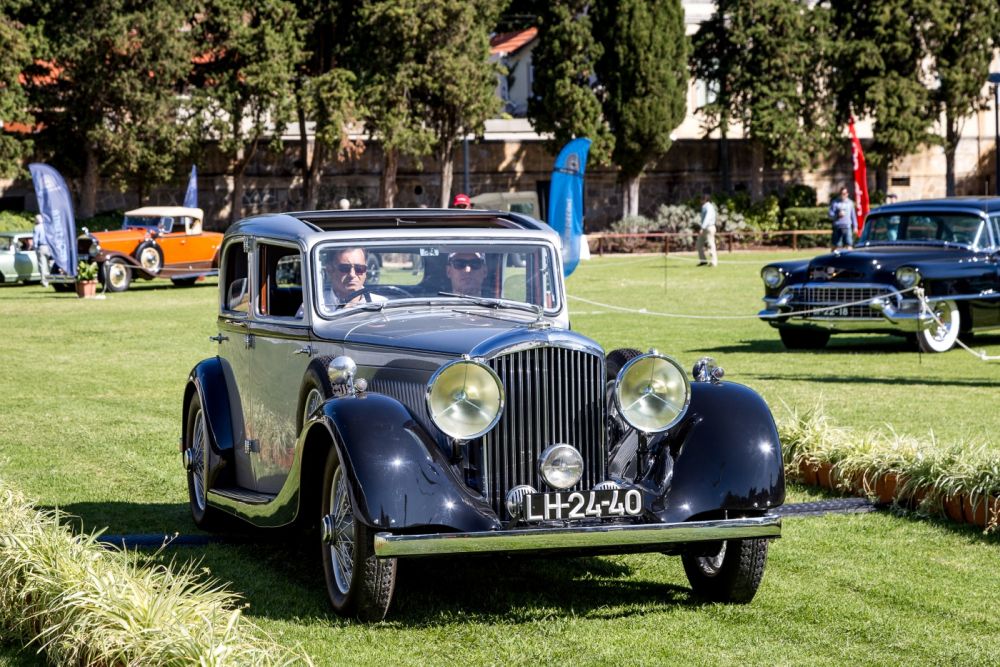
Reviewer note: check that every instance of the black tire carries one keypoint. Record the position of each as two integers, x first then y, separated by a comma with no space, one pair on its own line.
315,389
184,282
616,359
732,575
199,469
116,274
804,339
374,270
357,583
150,257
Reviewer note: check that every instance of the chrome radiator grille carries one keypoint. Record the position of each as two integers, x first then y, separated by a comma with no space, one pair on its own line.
554,395
807,297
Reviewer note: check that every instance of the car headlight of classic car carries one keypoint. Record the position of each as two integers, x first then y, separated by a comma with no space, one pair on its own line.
652,392
465,399
907,276
561,466
772,276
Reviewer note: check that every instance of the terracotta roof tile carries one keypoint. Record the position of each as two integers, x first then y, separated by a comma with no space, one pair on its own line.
511,42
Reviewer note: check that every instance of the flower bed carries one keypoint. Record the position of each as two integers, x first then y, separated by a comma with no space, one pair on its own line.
960,482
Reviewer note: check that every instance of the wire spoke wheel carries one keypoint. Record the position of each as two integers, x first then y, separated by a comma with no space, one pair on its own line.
199,468
341,546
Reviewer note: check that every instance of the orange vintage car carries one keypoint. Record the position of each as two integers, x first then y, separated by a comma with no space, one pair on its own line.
154,242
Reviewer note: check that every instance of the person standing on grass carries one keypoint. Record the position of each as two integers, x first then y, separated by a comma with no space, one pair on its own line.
42,251
706,238
844,217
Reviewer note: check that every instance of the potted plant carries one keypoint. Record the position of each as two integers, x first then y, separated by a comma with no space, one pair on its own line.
86,279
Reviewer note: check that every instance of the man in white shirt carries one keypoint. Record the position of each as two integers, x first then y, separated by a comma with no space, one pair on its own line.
706,238
344,273
42,251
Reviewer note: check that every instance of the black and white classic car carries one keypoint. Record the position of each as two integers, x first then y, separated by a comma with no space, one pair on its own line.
927,270
447,408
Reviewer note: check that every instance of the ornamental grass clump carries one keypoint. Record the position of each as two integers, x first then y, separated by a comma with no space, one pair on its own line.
82,604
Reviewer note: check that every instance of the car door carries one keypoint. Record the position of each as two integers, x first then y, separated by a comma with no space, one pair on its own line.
171,234
25,261
234,351
280,353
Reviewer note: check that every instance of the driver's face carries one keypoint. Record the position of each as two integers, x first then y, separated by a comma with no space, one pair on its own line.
466,270
345,283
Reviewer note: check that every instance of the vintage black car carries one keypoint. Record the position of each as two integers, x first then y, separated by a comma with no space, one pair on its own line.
927,270
449,409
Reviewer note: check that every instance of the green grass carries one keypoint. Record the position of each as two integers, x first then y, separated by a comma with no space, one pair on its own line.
93,414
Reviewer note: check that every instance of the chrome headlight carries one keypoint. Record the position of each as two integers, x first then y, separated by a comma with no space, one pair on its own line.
652,392
907,276
561,466
465,399
772,276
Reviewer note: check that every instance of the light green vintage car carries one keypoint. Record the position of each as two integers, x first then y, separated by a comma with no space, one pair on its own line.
18,263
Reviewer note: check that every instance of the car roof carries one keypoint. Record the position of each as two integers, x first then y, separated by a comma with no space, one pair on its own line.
303,224
965,204
175,211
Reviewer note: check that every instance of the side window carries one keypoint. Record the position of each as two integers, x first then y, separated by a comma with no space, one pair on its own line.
236,284
280,273
995,223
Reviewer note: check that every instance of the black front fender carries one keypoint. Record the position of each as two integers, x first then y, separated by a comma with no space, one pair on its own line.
728,456
402,481
208,380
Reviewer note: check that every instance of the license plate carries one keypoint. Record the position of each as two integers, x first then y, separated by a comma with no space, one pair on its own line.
582,505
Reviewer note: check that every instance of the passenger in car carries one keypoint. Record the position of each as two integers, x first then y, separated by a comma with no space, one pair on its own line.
344,274
466,271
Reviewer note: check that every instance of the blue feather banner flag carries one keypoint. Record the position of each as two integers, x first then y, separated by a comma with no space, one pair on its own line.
56,206
566,199
191,194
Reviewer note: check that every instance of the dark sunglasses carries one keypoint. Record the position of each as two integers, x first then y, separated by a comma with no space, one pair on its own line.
359,269
462,264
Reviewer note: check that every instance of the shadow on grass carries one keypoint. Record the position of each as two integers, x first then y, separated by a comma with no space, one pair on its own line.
117,518
867,379
874,344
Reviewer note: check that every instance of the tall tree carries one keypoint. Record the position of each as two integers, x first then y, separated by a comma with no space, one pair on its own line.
109,90
326,91
565,101
461,87
244,80
776,86
645,76
393,71
15,44
961,36
878,55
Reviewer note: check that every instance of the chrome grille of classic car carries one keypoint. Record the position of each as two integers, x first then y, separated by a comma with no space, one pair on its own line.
809,296
553,395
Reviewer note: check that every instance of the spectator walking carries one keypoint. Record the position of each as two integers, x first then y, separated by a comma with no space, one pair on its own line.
844,217
706,238
42,251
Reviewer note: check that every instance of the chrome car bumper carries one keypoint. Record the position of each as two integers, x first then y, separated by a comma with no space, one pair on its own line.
907,317
528,540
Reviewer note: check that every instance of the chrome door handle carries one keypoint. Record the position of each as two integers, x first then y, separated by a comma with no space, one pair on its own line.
218,339
307,350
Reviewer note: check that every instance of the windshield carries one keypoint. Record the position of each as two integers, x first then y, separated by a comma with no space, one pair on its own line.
966,229
504,275
165,223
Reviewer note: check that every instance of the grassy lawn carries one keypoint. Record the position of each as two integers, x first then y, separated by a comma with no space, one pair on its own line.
92,419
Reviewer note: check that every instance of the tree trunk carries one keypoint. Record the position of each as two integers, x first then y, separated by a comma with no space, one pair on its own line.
304,155
447,158
88,197
950,145
387,184
757,171
882,176
315,174
724,171
236,187
630,195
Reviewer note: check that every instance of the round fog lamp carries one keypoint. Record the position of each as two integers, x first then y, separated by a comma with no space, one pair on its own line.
907,276
465,399
772,276
652,393
561,466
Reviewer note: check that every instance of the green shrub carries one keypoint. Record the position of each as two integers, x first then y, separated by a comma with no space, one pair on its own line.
102,222
806,218
764,215
633,224
16,221
82,604
798,195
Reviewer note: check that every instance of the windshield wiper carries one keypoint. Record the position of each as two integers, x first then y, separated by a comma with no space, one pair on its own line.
488,302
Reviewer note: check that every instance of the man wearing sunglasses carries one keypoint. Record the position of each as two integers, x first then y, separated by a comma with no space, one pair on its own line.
466,271
344,275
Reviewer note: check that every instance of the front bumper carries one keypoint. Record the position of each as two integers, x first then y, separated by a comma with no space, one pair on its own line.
896,316
601,538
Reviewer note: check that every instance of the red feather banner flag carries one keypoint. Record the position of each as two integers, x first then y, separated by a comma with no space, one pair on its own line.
860,177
